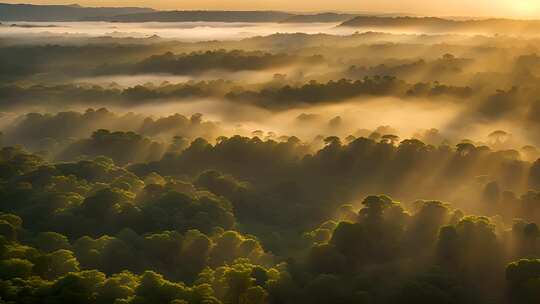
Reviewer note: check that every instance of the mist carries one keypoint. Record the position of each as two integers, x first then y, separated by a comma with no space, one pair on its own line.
268,157
182,31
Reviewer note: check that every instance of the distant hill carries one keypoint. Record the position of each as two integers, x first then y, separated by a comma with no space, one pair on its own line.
322,17
194,16
362,21
51,13
441,24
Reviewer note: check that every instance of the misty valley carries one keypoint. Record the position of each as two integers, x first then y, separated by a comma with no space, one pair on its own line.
265,157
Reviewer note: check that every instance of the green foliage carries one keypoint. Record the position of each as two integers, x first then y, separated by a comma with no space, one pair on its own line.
101,207
178,230
524,279
15,268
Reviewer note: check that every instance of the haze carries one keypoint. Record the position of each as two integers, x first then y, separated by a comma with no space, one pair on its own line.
254,153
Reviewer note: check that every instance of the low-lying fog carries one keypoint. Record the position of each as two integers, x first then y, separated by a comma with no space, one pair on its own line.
185,31
359,117
341,119
288,85
200,31
246,77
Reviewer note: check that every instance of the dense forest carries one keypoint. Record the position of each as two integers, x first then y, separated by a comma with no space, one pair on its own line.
373,167
257,221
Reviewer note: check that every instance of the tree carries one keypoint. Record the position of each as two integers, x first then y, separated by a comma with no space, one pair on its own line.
76,287
492,193
498,137
524,280
7,230
15,268
101,203
56,264
534,175
390,139
51,241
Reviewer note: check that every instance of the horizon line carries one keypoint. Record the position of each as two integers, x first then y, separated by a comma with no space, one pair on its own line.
306,12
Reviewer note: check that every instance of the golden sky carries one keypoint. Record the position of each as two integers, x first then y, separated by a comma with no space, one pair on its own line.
504,8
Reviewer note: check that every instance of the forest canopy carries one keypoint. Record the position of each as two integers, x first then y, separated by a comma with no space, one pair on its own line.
267,157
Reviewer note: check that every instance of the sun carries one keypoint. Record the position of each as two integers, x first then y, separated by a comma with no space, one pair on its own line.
525,8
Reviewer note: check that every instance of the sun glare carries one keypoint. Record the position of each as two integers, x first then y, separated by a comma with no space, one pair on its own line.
525,8
270,151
